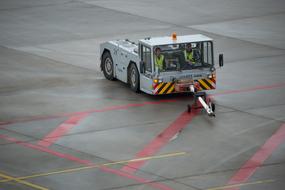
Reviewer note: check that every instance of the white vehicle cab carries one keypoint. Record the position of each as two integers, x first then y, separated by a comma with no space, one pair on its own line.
162,65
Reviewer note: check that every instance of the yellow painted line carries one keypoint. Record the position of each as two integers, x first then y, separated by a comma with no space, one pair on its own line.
204,84
171,89
242,184
166,86
98,166
22,182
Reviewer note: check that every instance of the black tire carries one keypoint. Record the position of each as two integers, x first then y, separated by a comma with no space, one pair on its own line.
189,108
213,107
134,79
108,66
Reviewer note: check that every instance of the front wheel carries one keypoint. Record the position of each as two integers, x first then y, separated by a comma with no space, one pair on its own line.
134,78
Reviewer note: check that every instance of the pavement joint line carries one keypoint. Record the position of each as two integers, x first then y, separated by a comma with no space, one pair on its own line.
168,155
254,58
105,109
246,90
21,181
35,139
37,6
65,126
202,175
242,184
247,111
267,106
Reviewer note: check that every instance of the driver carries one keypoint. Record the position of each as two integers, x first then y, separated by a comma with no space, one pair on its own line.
159,60
188,54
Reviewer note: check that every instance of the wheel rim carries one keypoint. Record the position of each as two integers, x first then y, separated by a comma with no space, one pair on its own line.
133,77
108,66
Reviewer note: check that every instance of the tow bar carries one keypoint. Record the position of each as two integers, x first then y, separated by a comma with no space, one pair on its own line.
206,103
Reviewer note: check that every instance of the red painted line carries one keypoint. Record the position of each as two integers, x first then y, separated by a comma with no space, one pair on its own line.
46,150
61,130
279,85
250,167
136,178
161,140
266,87
71,122
180,123
86,162
111,108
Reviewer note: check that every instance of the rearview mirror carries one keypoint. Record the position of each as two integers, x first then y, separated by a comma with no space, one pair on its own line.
221,60
142,64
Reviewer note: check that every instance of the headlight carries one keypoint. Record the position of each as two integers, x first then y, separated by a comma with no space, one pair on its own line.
212,75
157,81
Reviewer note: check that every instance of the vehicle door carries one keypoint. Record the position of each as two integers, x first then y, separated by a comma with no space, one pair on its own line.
121,64
146,76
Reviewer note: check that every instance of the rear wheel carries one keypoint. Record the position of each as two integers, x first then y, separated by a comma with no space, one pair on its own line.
108,66
134,77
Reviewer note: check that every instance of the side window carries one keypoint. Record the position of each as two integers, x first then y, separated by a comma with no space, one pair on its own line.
146,57
207,53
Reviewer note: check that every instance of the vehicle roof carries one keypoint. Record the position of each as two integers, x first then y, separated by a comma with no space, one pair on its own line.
165,40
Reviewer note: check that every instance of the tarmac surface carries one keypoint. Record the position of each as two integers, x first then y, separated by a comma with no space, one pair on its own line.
63,126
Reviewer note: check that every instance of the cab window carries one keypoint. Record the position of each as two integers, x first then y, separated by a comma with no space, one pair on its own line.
207,53
146,58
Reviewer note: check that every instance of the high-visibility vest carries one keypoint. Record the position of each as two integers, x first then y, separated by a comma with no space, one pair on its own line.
159,62
189,56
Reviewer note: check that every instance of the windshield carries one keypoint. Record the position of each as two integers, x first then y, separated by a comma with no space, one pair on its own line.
177,57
